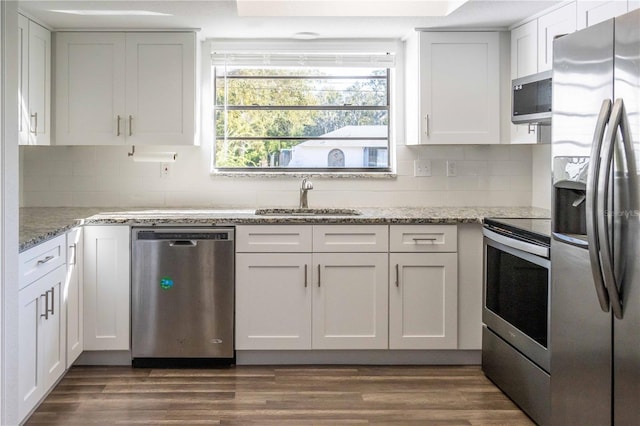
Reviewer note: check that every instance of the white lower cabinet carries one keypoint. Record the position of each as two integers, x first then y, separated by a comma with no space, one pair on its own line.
309,300
74,295
350,301
423,301
273,301
42,342
106,288
423,287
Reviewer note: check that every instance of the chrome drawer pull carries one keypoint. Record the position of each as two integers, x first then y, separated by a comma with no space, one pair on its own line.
45,260
431,239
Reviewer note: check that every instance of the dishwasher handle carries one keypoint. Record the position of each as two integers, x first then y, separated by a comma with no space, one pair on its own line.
183,243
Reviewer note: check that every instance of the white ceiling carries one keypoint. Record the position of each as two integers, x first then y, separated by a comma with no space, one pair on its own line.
219,18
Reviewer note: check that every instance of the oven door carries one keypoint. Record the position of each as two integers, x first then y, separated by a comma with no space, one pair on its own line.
516,296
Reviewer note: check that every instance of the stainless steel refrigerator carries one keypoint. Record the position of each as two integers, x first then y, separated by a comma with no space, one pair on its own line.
595,249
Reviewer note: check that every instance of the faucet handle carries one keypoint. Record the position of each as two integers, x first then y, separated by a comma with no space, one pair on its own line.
306,184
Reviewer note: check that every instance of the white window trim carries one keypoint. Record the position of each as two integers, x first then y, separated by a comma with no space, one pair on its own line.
397,87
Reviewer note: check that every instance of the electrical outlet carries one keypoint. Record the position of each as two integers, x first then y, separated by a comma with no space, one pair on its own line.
165,170
422,167
452,168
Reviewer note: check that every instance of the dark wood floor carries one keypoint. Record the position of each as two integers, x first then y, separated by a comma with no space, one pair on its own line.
278,396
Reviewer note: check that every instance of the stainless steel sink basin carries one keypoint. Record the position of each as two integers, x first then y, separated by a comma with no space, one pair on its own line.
307,212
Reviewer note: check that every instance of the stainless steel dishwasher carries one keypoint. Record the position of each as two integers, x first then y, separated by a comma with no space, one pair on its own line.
182,301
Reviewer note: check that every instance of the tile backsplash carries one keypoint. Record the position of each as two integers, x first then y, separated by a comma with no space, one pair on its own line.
494,175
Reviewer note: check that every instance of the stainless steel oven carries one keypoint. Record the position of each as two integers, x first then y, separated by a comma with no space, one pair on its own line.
516,311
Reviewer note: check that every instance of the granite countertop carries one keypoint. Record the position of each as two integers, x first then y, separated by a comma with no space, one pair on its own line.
38,224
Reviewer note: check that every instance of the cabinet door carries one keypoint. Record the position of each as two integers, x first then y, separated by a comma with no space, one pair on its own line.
273,301
30,382
423,301
52,337
39,84
160,93
74,292
106,288
90,84
524,50
41,333
23,80
592,12
460,88
350,309
560,21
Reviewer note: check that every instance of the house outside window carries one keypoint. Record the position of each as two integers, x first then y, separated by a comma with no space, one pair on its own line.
301,110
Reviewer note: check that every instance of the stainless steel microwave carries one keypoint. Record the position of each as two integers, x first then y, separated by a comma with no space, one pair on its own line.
531,99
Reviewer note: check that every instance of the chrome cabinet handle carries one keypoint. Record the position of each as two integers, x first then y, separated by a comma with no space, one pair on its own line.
73,256
426,119
305,275
397,275
35,119
592,208
45,260
53,300
318,275
432,239
118,118
130,124
46,305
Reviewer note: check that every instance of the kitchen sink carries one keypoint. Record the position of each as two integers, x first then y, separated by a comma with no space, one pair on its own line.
307,212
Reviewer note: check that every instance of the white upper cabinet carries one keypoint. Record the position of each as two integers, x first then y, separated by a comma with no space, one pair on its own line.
453,89
558,22
593,12
90,89
125,88
160,92
524,50
34,68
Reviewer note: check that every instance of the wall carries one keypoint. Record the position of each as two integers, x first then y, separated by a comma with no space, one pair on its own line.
541,176
497,175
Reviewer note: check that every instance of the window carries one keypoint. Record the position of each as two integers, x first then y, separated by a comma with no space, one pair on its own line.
302,111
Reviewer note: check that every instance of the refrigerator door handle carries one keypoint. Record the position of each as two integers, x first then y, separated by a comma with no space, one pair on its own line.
593,179
618,121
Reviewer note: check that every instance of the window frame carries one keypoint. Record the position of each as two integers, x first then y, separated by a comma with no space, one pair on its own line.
335,47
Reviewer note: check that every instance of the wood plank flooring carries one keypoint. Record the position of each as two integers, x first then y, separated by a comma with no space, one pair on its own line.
280,395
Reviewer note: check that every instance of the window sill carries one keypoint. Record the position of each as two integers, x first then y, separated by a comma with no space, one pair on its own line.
327,175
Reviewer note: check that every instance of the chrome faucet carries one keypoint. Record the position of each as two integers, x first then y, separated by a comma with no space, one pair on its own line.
304,188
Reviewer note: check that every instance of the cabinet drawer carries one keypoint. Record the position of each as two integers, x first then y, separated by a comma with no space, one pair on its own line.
273,238
423,238
350,238
42,259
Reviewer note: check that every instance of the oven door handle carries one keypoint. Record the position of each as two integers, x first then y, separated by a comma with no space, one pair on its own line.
592,207
516,244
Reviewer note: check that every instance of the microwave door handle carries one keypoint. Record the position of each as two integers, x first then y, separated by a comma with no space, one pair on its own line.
593,178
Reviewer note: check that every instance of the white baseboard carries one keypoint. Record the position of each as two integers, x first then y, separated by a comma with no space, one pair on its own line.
359,357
